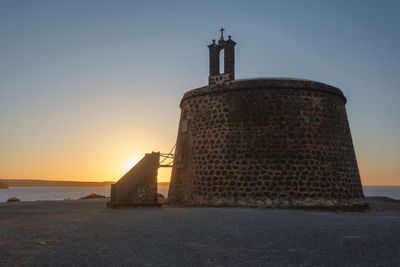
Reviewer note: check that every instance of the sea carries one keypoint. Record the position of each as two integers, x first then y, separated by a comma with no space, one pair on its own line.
70,193
35,193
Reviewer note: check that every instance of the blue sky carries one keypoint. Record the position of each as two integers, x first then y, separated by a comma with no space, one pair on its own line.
85,84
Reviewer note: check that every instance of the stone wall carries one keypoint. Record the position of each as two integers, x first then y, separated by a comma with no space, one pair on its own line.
265,142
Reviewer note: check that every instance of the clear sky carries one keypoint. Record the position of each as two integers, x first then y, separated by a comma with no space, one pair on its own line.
88,87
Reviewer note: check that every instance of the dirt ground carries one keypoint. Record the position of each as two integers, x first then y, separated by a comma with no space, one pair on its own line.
85,233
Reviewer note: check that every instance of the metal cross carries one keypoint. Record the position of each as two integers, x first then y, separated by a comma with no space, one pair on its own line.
222,32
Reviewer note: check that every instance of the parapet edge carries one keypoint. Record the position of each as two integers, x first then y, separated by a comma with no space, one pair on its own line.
264,83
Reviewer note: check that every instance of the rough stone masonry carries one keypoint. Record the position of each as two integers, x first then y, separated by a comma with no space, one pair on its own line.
263,142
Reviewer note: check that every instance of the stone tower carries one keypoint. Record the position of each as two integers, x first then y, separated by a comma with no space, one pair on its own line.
263,142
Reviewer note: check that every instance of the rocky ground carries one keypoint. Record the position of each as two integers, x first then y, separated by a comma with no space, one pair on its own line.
85,233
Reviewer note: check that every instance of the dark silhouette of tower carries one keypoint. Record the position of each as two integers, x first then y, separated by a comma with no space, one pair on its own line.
214,59
229,60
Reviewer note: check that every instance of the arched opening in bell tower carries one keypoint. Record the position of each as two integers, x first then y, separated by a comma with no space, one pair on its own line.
221,61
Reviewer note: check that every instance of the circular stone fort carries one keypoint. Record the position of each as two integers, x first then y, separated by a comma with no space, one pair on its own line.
263,142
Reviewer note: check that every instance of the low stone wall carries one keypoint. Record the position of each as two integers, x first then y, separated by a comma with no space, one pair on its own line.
265,142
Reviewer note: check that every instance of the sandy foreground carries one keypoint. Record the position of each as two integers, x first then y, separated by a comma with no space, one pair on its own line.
85,233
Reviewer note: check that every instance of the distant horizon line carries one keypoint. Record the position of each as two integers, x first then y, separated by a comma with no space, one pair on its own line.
61,181
25,179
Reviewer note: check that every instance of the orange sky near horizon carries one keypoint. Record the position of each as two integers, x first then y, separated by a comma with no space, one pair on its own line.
97,166
96,160
370,175
106,149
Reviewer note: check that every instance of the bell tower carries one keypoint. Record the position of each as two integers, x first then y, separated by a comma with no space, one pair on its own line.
229,60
